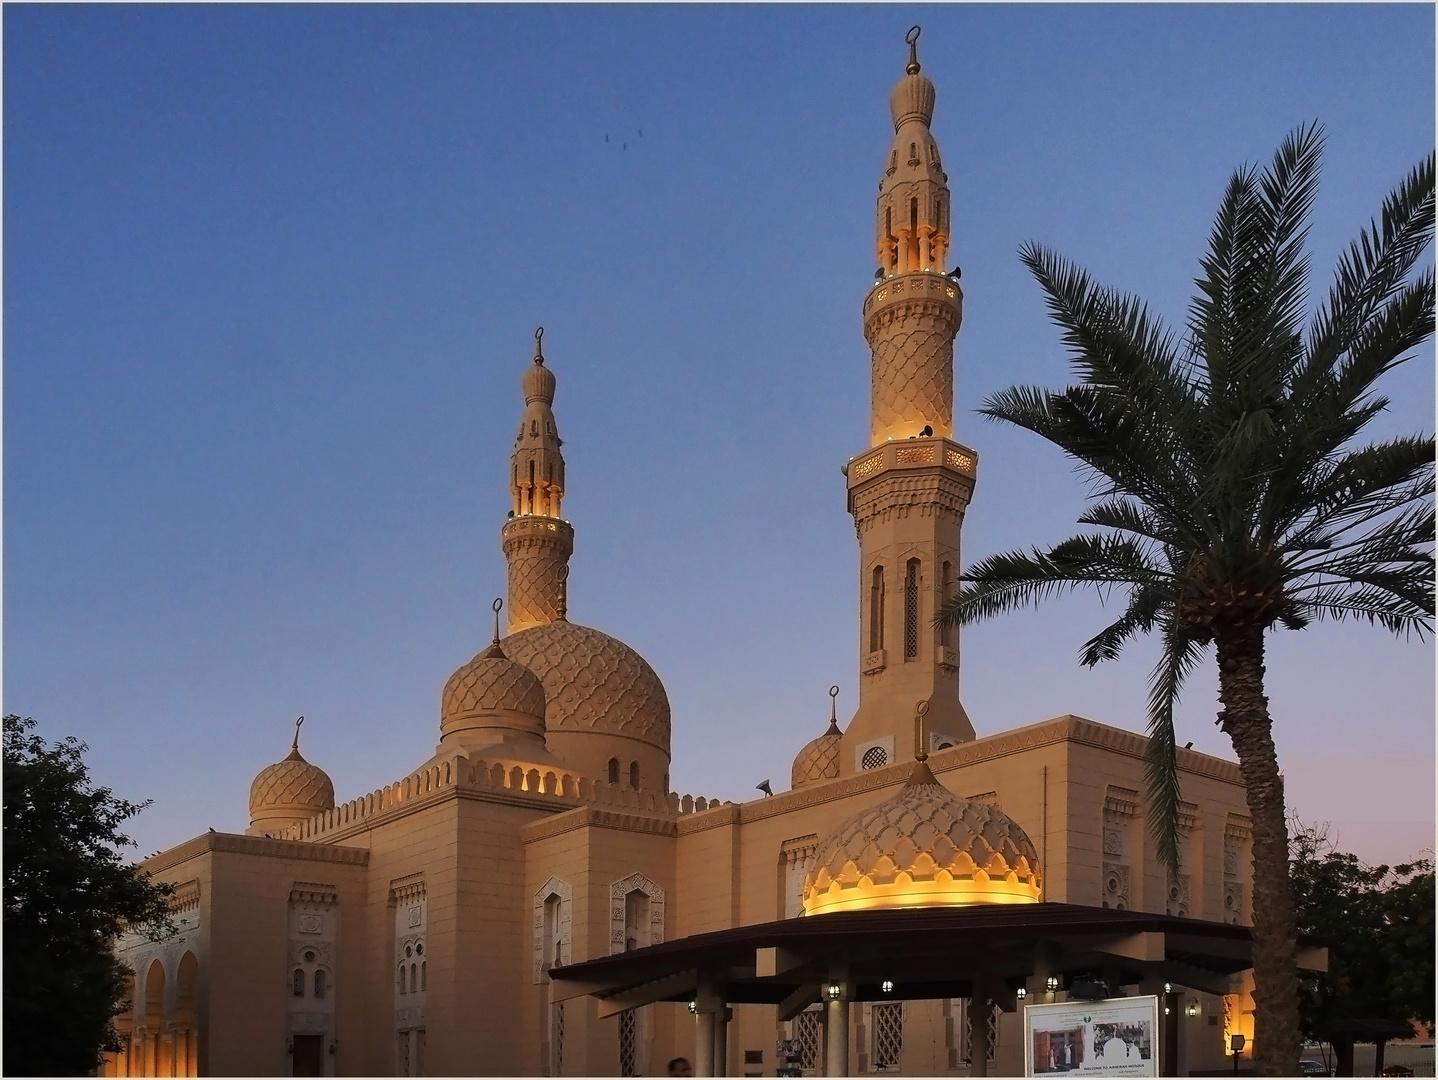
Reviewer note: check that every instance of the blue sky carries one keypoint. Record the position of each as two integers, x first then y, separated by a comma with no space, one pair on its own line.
271,276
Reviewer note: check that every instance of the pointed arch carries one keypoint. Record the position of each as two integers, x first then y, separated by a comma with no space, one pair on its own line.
553,926
625,906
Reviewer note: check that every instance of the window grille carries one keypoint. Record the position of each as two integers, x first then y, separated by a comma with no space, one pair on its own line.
627,1042
319,984
299,983
993,1011
874,758
911,611
888,1020
809,1028
558,1038
876,611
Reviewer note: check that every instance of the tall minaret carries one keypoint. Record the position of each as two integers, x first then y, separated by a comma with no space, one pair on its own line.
536,540
909,490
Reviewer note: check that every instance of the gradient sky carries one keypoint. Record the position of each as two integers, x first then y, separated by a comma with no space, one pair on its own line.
271,276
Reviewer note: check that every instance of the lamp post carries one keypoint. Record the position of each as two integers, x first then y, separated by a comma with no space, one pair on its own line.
1235,1043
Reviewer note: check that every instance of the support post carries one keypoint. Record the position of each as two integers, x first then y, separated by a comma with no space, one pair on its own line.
721,1041
711,1027
836,1048
979,1010
703,1043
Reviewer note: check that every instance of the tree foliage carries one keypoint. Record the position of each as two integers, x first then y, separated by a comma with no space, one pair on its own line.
1378,922
68,896
1228,497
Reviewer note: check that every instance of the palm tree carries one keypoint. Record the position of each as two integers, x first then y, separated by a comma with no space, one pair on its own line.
1228,495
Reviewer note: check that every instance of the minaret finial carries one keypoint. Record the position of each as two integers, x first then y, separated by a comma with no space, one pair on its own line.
498,603
539,346
562,601
834,708
912,40
920,754
295,745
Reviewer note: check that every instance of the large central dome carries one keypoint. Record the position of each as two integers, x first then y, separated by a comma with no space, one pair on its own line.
593,683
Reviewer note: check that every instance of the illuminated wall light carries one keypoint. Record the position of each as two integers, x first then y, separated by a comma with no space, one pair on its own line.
887,986
834,991
1168,988
1053,982
1193,1008
694,1006
1022,993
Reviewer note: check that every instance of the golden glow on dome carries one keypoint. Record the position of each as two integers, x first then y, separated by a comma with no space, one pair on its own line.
924,847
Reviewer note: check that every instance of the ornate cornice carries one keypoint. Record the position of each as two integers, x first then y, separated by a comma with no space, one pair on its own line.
253,845
714,817
407,889
312,892
594,817
186,896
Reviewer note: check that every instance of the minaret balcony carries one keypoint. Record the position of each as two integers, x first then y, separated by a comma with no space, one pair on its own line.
924,285
537,526
916,453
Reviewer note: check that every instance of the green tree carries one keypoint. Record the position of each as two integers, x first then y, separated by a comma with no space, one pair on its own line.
68,896
1378,922
1230,499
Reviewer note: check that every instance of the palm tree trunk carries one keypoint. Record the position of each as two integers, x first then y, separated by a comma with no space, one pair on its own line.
1275,971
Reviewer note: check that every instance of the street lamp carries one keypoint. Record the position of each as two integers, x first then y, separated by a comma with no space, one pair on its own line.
1235,1042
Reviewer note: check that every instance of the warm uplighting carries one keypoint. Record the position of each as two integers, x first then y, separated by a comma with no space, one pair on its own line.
940,890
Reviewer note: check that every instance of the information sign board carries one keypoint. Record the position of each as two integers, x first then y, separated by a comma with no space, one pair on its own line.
1109,1037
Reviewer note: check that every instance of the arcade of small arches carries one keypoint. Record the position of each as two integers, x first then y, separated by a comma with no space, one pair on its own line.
158,1033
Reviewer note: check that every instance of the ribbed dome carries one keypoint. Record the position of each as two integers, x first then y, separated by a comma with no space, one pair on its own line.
487,687
289,791
925,847
912,98
593,683
538,382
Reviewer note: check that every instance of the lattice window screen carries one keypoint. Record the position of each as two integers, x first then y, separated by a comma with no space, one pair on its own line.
911,610
559,1038
875,758
628,1044
810,1030
888,1020
963,1024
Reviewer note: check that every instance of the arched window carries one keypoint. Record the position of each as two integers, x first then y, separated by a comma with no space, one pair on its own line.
634,775
911,610
413,978
424,974
319,984
299,981
402,983
614,770
876,611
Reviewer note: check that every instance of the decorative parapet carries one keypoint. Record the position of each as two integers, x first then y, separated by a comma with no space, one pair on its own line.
1187,815
546,789
310,892
1121,801
186,896
407,890
1238,828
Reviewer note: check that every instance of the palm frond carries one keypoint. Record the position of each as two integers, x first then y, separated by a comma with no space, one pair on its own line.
1182,652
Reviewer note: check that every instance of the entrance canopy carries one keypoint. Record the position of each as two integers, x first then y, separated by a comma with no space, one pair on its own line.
922,953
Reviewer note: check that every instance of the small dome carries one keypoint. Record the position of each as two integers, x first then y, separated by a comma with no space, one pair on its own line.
538,383
925,847
491,685
819,760
288,792
593,683
912,99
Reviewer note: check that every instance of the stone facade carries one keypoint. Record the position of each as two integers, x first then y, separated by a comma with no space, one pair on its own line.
411,931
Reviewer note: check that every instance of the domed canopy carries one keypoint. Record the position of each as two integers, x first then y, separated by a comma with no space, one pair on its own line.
925,847
913,96
288,792
538,381
819,760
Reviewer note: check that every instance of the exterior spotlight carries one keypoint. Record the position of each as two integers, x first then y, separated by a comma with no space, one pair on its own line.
834,991
1022,993
1053,982
694,1006
1168,988
887,986
1166,1010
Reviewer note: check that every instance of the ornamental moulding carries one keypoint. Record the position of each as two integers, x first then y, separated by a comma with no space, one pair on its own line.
311,892
593,817
255,845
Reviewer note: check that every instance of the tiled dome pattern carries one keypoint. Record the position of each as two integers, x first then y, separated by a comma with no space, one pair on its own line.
491,683
819,760
292,784
593,682
929,835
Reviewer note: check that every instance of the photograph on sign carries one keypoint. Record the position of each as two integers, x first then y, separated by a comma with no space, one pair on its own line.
1109,1037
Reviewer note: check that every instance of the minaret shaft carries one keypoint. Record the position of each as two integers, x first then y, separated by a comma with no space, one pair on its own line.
537,542
909,492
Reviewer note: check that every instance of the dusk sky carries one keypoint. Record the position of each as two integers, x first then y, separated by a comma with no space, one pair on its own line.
272,275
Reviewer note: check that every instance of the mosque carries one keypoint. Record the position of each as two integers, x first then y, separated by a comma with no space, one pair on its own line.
541,841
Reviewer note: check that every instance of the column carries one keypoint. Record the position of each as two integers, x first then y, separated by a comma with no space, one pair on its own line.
979,1009
703,1043
836,1033
721,1040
